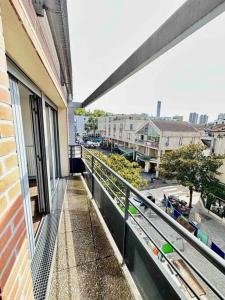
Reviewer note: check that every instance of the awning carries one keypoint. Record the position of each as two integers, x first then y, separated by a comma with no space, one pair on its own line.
142,157
126,151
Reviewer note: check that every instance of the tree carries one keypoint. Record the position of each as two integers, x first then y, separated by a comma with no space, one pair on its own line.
97,113
130,171
92,123
80,111
192,168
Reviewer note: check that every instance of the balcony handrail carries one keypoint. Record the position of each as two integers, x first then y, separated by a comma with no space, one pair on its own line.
216,260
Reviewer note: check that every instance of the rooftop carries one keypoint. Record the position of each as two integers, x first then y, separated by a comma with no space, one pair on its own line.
170,125
218,128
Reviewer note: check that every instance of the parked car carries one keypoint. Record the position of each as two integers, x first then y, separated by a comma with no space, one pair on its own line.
90,144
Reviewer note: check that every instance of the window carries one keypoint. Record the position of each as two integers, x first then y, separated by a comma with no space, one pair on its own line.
52,146
131,126
168,141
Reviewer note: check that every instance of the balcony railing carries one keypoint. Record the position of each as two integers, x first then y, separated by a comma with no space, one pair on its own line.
190,270
148,143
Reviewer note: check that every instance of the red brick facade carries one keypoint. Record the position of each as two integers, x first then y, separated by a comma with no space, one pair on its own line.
15,271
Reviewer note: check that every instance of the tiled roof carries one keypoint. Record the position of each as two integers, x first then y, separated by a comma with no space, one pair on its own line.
169,125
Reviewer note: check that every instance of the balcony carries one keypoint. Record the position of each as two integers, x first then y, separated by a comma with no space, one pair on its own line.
191,270
85,266
151,144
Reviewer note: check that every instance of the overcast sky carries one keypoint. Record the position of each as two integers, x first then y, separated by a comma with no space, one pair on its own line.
189,77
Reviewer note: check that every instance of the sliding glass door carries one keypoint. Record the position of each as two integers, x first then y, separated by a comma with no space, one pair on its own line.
30,141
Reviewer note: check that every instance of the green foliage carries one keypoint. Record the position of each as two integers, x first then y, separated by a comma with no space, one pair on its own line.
192,168
81,112
95,114
92,123
98,113
130,171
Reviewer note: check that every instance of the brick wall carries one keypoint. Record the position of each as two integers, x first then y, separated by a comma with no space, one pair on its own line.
15,272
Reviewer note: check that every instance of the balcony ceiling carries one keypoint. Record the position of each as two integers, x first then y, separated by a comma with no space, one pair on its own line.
27,53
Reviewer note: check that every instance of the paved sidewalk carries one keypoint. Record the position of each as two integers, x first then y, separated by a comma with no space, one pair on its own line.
85,267
214,228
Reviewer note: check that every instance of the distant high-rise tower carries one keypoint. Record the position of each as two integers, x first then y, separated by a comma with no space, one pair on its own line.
203,119
158,109
193,118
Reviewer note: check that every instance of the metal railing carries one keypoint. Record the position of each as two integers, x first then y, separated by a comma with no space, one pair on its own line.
148,143
122,194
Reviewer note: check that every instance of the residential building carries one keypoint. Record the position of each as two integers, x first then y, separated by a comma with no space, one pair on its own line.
150,138
79,122
216,144
161,118
202,129
219,122
35,87
178,118
157,137
193,118
158,111
121,128
221,116
203,119
76,123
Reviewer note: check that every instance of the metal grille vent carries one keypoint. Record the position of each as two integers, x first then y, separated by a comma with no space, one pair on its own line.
42,261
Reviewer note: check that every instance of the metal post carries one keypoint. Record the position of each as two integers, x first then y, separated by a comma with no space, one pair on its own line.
70,159
125,222
92,176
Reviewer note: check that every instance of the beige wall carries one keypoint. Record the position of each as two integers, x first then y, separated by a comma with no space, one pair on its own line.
127,135
175,138
219,148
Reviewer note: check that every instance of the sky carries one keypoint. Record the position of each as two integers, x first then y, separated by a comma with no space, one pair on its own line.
189,77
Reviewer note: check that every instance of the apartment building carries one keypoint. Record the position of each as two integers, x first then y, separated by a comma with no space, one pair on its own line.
150,138
193,118
203,119
121,128
76,123
35,87
216,138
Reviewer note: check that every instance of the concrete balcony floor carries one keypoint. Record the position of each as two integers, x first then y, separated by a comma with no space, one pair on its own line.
85,266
